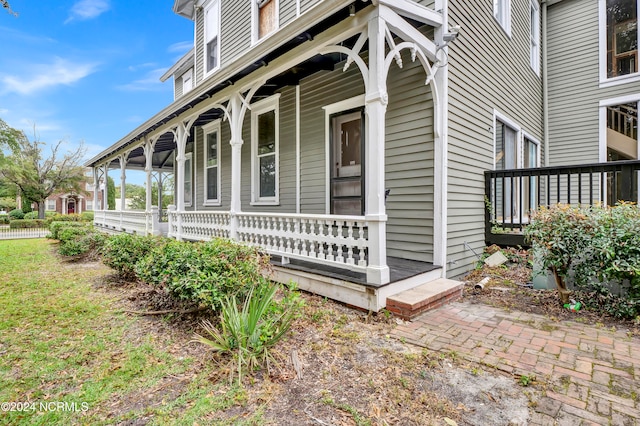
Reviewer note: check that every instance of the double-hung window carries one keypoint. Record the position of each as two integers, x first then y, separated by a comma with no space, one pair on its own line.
212,163
188,179
264,151
265,18
535,36
51,205
502,13
212,36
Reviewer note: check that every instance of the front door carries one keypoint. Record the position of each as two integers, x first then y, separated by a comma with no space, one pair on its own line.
347,171
71,206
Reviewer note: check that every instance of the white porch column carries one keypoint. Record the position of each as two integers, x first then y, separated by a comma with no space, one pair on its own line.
123,181
376,107
64,205
148,168
236,142
79,205
180,136
96,188
105,195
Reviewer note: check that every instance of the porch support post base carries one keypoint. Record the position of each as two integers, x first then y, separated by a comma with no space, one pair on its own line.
378,274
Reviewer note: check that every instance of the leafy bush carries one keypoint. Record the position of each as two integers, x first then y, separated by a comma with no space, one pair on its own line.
87,216
249,328
590,244
80,241
56,227
204,272
26,223
74,217
123,251
4,219
31,215
16,214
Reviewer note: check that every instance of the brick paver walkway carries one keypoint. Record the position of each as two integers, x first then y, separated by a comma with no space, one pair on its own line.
590,374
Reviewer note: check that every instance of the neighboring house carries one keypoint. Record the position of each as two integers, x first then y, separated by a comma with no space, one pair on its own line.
72,202
350,139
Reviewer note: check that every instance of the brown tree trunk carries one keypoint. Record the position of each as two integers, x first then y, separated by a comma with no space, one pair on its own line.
41,206
562,286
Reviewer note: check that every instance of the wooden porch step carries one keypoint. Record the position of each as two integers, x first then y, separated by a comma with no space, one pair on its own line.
411,303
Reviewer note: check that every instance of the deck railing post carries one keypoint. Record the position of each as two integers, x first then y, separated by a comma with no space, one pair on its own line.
155,220
626,183
488,205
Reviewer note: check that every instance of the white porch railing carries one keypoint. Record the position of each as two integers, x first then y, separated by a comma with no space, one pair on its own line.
338,241
131,221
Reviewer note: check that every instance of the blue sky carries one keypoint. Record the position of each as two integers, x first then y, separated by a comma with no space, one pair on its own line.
87,70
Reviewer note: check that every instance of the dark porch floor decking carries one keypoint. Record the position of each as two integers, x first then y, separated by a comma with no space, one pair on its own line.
399,269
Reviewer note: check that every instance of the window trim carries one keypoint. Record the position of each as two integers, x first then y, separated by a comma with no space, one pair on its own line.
255,21
207,129
534,59
206,9
526,135
49,203
621,79
497,116
188,73
505,23
271,103
188,157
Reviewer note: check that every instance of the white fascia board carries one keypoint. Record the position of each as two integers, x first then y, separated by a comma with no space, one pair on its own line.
184,8
411,9
408,32
185,62
307,20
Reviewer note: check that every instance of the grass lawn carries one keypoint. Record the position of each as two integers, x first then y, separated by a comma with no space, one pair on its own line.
63,340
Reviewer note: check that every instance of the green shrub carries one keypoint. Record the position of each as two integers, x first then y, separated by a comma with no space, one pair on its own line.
204,272
49,214
56,227
31,215
87,216
74,217
27,223
80,241
123,251
4,219
249,328
592,245
16,214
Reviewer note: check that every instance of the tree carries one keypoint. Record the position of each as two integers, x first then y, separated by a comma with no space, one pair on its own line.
6,5
111,194
37,177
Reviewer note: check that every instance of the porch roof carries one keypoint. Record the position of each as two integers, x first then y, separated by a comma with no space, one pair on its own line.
303,29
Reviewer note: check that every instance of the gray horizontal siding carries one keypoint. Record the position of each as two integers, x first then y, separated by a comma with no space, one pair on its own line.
409,164
574,89
199,48
177,87
287,11
307,4
235,37
487,71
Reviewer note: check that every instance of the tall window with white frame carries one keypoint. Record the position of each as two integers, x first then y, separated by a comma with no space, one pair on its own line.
264,147
530,153
188,179
506,158
502,13
622,143
622,37
187,81
535,36
51,205
265,18
212,163
212,36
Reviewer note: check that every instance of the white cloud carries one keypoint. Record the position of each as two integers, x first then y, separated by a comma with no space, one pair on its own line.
150,82
182,46
45,76
87,9
140,66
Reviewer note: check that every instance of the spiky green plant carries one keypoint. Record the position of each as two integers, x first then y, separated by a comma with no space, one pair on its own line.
249,329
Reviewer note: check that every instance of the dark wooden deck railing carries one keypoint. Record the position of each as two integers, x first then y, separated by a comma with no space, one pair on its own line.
512,194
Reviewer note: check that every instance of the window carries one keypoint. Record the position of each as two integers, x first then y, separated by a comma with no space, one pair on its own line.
621,143
502,13
187,81
535,36
212,163
621,37
506,146
51,205
265,18
264,150
89,204
347,159
212,36
188,179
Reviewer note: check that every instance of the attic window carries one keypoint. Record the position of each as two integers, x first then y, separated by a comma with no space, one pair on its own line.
267,17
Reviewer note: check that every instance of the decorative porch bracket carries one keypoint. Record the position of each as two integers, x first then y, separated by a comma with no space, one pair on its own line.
181,133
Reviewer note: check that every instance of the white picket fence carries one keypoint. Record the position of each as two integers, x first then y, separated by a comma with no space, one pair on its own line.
18,234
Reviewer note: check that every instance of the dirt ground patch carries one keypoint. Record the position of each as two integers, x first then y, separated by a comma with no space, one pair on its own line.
337,366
